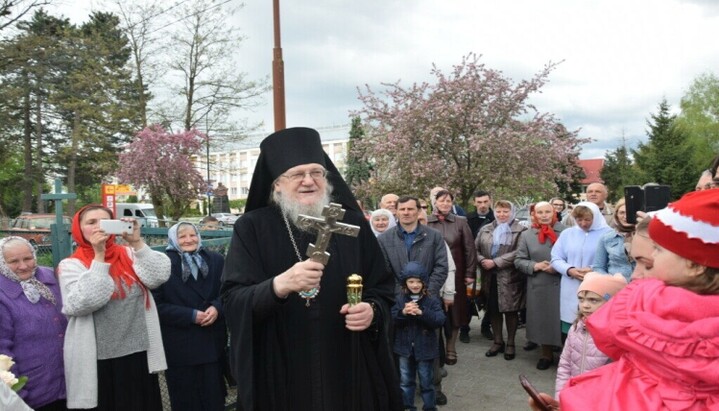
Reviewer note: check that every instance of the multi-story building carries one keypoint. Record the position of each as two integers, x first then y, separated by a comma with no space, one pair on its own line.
234,165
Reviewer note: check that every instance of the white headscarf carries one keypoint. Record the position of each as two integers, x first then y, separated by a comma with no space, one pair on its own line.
383,212
598,222
32,287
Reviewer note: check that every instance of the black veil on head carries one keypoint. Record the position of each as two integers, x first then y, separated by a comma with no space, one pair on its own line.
289,148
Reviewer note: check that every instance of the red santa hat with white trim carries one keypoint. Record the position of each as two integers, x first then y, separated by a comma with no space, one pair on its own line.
689,227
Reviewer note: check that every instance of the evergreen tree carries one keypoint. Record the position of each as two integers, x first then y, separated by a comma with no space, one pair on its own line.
97,101
618,171
30,68
667,157
358,168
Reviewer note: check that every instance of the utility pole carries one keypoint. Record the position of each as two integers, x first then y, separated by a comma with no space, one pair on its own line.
278,72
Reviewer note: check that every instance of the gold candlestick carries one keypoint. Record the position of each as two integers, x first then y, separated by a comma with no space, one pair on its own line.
354,289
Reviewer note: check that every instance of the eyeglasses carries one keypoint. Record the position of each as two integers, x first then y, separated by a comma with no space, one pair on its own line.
424,207
297,177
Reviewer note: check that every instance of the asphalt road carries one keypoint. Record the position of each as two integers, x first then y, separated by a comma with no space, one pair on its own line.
478,382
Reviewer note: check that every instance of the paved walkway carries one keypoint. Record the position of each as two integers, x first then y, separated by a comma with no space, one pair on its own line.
477,382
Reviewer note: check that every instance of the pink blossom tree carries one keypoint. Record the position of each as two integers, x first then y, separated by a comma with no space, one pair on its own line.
473,129
161,163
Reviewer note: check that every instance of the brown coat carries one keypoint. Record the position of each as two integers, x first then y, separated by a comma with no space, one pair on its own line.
511,283
456,232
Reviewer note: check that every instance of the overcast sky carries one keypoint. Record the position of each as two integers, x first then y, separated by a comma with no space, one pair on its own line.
620,57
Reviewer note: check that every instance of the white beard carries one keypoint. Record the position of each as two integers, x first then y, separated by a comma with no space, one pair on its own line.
292,209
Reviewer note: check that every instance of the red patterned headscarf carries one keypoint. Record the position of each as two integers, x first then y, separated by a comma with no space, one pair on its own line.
120,262
545,231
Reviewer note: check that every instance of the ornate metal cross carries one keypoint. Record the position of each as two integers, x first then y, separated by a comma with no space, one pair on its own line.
325,227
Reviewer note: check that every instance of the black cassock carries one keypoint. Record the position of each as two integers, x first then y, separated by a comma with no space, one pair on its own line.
286,356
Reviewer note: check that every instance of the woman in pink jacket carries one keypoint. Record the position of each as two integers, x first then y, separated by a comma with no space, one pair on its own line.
580,354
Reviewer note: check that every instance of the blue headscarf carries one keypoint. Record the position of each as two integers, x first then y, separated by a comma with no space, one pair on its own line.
502,234
192,262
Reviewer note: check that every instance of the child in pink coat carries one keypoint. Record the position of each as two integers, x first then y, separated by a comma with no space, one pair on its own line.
661,332
580,354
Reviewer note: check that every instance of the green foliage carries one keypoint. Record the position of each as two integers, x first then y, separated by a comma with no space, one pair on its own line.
358,168
11,181
238,204
699,117
619,171
666,157
67,100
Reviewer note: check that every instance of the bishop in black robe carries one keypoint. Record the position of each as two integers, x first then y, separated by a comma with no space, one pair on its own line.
285,355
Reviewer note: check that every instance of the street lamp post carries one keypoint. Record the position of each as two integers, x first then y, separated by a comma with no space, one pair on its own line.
209,182
278,72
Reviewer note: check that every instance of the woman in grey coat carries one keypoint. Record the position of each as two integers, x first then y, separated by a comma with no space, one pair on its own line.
533,259
502,284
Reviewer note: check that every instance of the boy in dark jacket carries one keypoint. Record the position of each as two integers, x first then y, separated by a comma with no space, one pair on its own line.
417,317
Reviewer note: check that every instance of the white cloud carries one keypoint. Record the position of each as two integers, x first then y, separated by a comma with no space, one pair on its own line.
620,58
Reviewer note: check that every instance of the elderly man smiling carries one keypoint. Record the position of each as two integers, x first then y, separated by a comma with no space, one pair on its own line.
293,349
596,193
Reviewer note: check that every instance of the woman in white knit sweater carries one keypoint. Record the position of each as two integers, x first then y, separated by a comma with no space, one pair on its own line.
113,346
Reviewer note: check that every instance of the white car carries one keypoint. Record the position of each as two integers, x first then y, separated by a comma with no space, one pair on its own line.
227,219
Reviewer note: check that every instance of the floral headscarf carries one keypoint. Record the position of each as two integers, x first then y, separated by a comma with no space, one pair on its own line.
32,287
192,262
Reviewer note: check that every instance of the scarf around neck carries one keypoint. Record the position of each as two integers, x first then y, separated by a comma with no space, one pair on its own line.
192,262
32,287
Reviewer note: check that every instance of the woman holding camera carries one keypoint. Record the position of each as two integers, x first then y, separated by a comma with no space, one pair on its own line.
113,346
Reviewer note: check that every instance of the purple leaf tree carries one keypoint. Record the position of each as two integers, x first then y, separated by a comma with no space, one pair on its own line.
472,129
161,163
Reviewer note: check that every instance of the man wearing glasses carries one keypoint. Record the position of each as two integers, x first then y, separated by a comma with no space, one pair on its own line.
295,342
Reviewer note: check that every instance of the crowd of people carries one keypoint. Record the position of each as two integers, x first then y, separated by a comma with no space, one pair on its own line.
633,309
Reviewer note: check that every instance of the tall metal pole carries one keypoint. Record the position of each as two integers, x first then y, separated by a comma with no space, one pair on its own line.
278,72
209,183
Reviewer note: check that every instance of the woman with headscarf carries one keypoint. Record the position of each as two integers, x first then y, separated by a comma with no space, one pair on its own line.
458,236
192,322
381,220
573,255
612,255
31,324
533,259
113,346
503,285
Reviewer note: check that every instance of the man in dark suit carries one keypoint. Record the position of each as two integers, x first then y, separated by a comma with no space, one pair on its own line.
482,216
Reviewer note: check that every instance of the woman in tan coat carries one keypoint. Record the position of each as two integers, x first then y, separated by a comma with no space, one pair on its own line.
503,285
457,234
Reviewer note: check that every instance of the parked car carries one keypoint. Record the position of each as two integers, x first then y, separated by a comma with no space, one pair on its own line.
144,213
227,219
35,228
522,214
